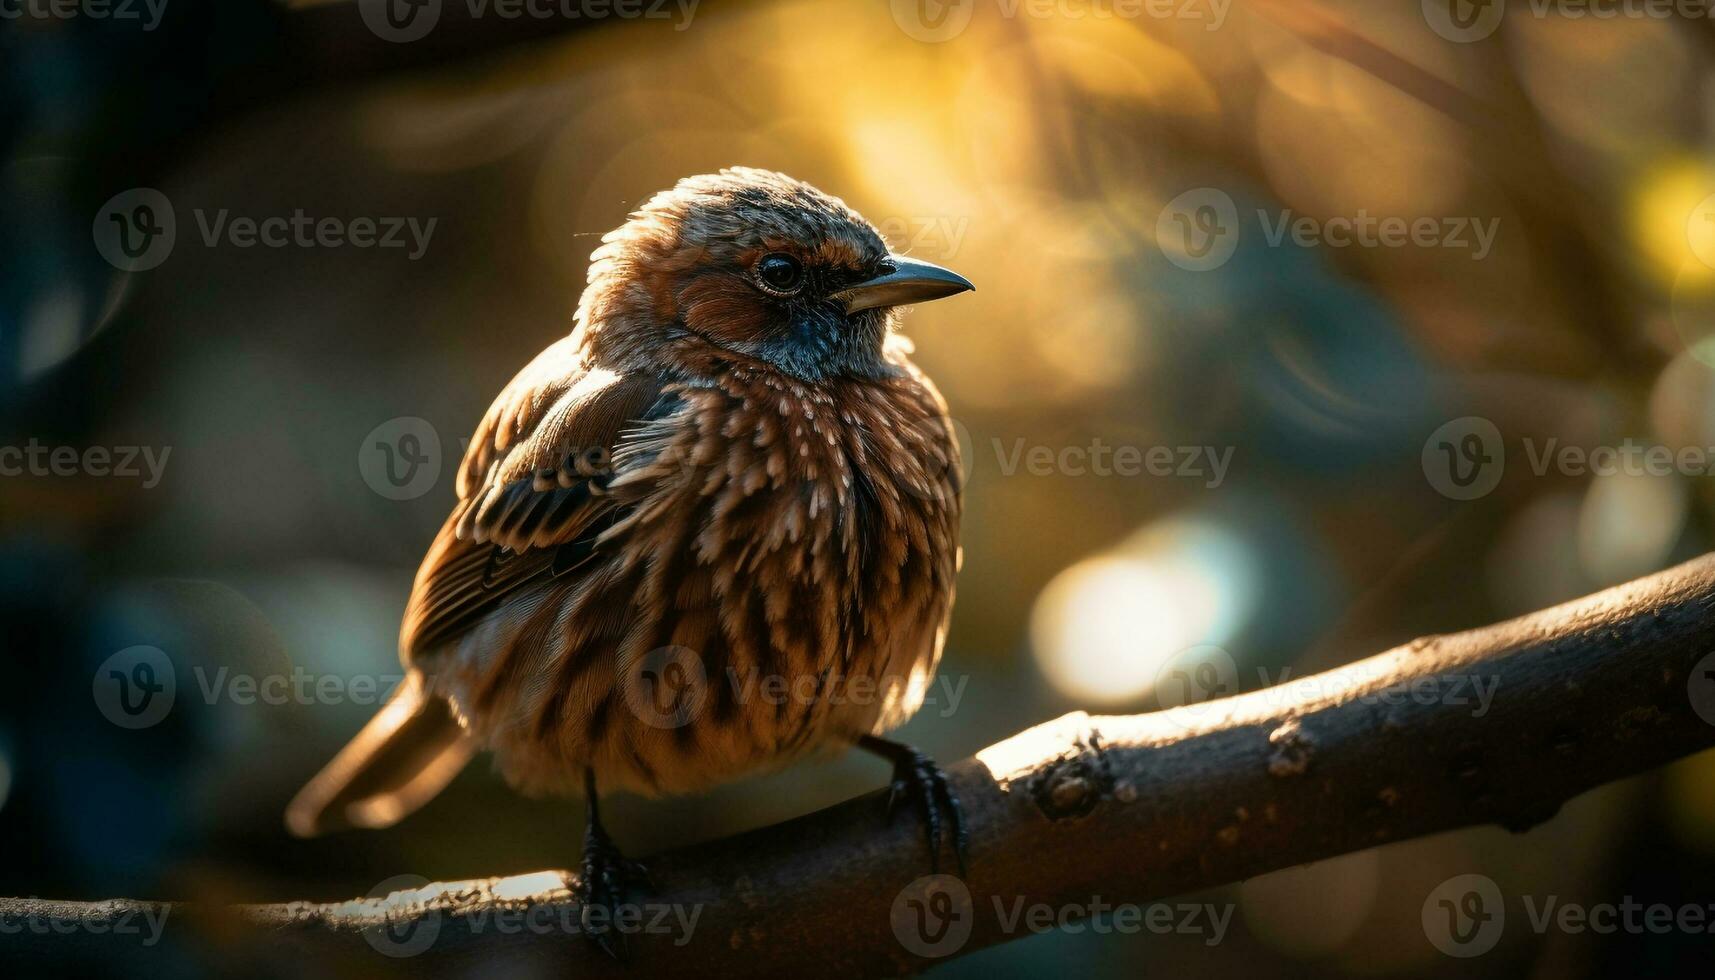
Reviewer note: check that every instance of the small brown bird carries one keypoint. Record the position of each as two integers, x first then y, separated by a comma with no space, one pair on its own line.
713,529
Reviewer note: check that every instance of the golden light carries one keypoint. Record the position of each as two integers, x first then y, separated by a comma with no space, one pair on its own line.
1103,629
1630,520
1670,227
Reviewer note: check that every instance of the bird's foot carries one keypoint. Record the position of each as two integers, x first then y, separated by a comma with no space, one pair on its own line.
916,777
606,876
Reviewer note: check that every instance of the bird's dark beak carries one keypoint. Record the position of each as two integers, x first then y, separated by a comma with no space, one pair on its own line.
910,281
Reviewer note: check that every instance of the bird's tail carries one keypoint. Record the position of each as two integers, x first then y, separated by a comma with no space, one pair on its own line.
407,753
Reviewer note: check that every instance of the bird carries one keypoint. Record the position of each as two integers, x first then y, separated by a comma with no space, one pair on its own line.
711,531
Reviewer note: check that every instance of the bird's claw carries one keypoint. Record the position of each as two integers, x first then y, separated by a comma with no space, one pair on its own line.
606,876
915,775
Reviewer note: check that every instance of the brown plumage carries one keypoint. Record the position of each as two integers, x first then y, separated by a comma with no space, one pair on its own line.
729,472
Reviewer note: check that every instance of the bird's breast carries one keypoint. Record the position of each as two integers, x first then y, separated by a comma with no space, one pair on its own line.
785,564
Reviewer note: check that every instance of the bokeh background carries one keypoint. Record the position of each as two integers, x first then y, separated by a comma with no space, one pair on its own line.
1045,151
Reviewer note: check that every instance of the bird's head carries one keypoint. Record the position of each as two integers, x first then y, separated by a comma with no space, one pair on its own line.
750,266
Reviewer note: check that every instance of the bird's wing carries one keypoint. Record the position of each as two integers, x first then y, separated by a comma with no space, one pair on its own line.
531,492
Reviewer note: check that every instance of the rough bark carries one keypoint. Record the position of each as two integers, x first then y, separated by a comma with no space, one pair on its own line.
1128,808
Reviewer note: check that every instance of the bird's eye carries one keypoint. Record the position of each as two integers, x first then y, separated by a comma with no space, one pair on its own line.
780,274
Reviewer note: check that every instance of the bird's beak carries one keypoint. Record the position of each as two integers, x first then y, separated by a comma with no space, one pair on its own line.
910,281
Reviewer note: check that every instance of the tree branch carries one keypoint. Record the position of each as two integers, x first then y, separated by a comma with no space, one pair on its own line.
1130,809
